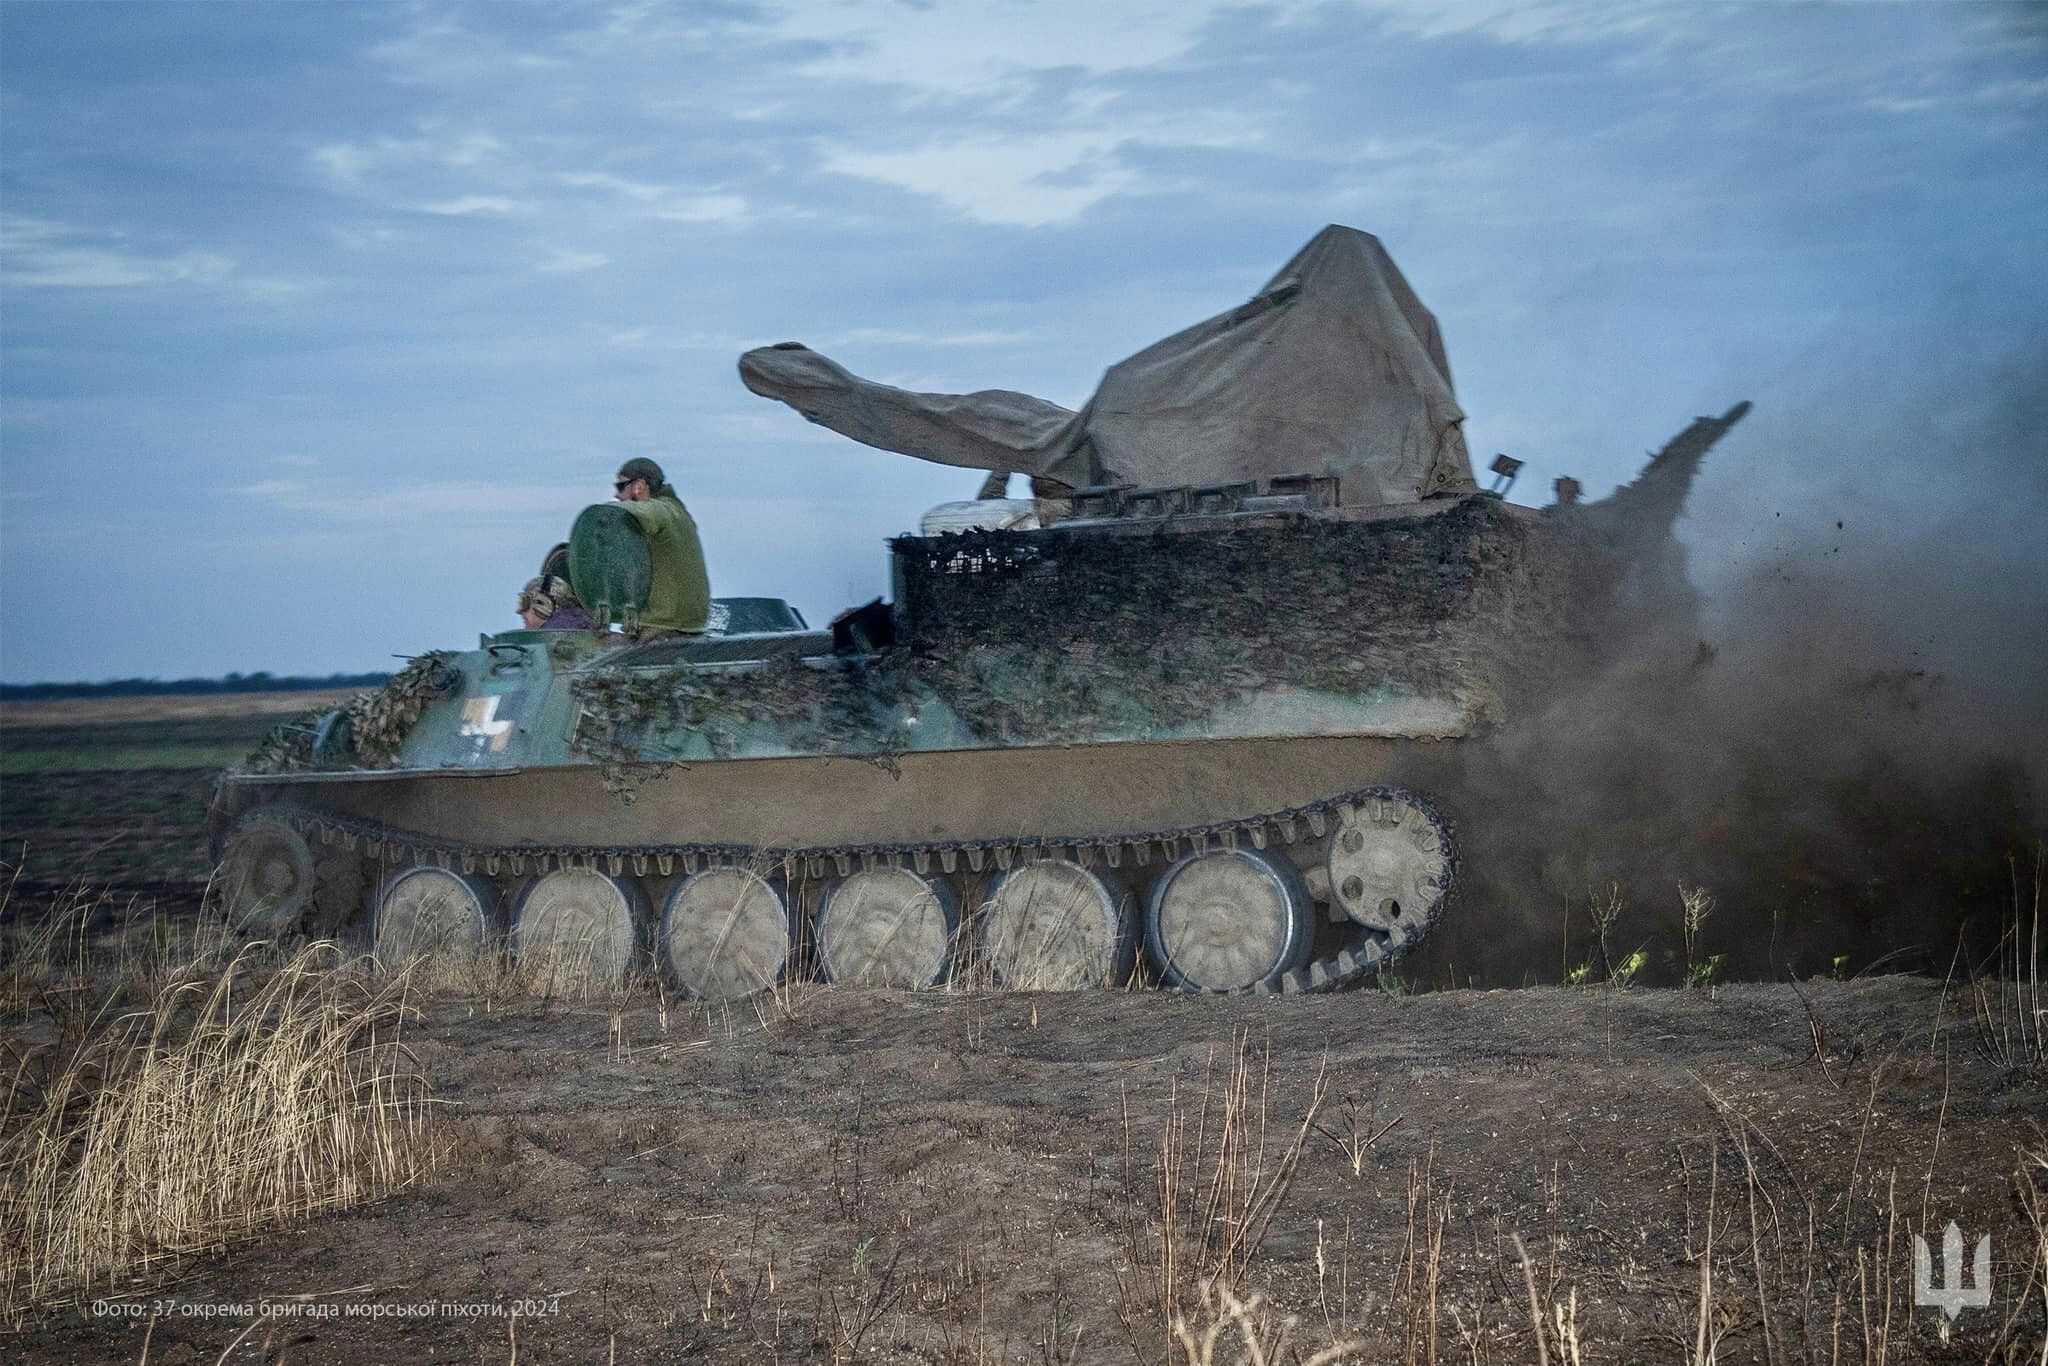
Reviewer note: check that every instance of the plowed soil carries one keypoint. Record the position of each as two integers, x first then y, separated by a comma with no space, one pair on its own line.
111,792
959,1177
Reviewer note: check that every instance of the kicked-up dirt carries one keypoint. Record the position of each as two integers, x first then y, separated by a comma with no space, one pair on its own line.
964,1177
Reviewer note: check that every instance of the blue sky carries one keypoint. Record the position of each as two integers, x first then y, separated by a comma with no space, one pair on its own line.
321,321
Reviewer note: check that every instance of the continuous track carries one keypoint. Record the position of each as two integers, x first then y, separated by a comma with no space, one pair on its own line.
1362,952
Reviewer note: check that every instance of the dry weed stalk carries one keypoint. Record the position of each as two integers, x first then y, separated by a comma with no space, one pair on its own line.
1219,1178
2028,1185
2009,1011
1418,1277
1606,911
1778,1285
1697,907
1358,1136
1262,1337
84,945
210,1113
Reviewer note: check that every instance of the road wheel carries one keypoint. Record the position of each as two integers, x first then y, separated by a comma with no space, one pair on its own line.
1228,920
428,913
1053,926
578,926
887,927
724,933
1389,865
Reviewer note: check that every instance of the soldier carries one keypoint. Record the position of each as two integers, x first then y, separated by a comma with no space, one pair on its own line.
680,597
548,604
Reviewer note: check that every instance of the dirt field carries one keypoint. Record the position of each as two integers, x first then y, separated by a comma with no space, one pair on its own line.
945,1177
114,790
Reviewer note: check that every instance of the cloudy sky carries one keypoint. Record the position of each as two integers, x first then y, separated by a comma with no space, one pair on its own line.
321,321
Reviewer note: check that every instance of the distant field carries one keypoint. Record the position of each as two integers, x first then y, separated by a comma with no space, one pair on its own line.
208,742
114,790
227,706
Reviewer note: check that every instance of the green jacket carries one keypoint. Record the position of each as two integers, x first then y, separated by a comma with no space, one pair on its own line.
680,597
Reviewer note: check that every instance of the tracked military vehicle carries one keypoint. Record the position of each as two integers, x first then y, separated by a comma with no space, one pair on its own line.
1127,719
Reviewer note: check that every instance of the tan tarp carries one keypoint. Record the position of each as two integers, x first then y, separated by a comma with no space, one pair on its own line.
1335,367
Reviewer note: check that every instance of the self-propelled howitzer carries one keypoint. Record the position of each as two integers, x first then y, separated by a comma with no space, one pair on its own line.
1176,722
1174,706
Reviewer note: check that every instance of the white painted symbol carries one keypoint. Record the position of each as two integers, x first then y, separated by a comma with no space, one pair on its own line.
1950,1297
479,719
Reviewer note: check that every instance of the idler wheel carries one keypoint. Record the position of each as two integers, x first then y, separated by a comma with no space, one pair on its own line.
1389,867
267,874
433,913
1228,920
1053,926
577,925
887,927
724,933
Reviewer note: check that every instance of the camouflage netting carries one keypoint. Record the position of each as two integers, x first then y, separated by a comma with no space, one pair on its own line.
833,711
1048,639
378,721
288,747
1055,638
1037,638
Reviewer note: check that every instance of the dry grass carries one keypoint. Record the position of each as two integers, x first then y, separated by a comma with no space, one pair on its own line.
1221,1328
228,1102
2030,1186
88,943
2007,1007
1221,1172
1785,1262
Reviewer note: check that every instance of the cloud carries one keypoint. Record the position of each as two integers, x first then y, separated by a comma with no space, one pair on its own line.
38,253
779,428
954,48
896,336
347,163
562,261
1049,163
703,208
664,202
1998,92
443,52
473,205
406,507
629,189
663,337
1029,181
1543,22
367,237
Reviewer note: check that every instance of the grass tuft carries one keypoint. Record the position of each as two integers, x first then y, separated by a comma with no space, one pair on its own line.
273,1091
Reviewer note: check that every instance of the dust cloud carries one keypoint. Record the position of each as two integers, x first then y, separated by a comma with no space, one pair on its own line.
1842,737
